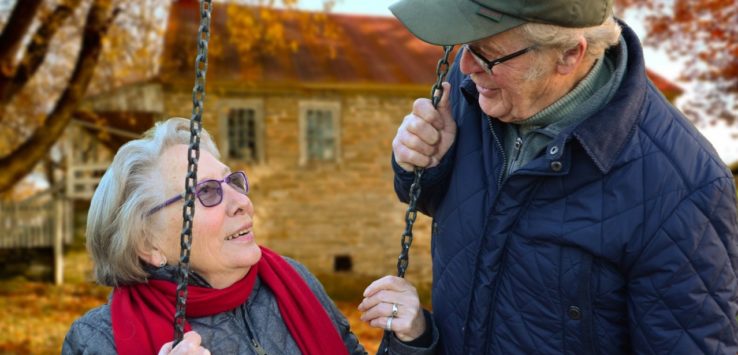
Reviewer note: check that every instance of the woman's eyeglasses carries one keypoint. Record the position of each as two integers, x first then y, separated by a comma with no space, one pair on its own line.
210,191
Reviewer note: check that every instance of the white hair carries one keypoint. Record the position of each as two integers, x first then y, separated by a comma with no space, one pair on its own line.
599,38
118,224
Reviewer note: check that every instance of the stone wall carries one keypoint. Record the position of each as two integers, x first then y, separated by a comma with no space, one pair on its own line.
317,212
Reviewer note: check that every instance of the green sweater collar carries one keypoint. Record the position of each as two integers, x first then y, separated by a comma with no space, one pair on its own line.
559,114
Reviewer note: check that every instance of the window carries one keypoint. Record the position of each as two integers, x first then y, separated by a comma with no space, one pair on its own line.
342,263
320,137
241,125
242,134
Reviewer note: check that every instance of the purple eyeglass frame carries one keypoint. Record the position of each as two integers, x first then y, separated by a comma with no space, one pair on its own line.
197,192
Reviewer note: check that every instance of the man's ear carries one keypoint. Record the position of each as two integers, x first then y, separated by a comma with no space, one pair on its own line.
572,58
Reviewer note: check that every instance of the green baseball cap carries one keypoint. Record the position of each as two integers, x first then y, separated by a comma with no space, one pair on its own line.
448,22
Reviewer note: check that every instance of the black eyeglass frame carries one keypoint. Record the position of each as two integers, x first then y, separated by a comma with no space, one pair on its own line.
487,65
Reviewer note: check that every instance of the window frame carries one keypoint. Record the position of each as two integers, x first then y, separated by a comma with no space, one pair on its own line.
228,105
335,108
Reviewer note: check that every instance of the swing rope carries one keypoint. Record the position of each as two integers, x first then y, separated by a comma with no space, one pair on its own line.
193,155
412,212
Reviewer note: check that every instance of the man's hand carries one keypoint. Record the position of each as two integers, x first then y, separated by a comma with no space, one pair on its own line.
426,134
393,297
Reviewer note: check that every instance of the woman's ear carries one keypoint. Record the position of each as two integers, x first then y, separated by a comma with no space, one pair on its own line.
572,58
152,255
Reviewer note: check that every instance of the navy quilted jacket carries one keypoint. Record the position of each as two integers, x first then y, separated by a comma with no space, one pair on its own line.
619,238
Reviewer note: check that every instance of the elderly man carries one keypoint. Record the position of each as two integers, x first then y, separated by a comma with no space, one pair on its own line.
574,209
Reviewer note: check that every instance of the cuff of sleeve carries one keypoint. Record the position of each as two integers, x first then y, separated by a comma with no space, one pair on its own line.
424,344
404,176
426,339
431,176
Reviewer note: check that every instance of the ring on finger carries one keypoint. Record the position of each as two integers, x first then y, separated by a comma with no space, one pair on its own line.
388,327
394,310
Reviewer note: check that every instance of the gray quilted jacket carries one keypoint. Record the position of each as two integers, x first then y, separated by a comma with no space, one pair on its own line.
227,333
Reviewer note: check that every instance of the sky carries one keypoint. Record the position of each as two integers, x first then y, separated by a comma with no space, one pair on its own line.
721,136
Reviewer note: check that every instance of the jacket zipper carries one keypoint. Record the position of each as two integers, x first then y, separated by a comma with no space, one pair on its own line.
502,151
249,329
517,148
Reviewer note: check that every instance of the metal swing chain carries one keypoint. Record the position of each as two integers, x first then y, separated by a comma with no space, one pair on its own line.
412,212
193,155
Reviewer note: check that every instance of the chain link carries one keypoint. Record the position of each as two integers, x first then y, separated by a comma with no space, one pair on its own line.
193,155
411,213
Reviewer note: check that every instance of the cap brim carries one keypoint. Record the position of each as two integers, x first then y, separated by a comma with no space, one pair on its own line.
449,22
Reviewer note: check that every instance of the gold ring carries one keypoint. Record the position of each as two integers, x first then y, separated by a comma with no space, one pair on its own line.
394,310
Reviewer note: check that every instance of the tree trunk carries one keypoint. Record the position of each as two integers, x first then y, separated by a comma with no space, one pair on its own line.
22,160
15,29
12,81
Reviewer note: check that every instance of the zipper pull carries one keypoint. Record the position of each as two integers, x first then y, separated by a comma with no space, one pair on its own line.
257,347
518,143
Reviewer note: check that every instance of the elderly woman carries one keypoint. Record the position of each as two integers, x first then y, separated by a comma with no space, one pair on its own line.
242,298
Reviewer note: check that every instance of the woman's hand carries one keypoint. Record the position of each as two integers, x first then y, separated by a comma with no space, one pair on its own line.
190,345
389,295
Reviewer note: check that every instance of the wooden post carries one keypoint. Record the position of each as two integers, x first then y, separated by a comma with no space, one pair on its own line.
58,240
68,221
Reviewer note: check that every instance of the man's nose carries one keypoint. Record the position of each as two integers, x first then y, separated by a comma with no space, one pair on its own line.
468,64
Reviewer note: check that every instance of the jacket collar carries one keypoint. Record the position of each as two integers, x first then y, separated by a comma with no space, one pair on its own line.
605,134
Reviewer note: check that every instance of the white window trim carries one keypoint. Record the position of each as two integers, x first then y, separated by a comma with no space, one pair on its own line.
226,105
335,108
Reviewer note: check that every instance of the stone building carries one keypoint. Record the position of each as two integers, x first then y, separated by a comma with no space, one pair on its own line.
311,125
310,121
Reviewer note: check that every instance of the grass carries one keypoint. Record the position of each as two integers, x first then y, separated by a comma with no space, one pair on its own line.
37,315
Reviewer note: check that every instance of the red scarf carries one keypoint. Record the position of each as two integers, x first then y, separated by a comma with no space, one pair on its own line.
143,314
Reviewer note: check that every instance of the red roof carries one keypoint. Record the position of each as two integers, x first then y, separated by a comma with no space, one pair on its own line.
357,50
354,50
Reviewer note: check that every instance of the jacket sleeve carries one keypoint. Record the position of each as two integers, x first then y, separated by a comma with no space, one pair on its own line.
89,335
433,184
682,281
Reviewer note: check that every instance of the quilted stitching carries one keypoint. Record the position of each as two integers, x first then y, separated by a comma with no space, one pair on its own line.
655,221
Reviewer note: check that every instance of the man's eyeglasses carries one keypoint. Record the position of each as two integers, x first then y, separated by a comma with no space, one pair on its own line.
488,64
210,191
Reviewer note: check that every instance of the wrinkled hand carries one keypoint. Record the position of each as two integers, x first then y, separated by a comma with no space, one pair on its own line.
190,345
409,322
426,134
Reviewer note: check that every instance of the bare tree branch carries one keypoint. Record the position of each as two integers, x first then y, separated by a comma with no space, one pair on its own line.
16,27
35,51
22,160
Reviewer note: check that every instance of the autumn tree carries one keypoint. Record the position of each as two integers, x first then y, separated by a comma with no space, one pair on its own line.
703,33
49,51
54,53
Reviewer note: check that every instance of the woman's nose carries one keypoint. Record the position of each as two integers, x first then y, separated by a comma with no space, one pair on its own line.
237,202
